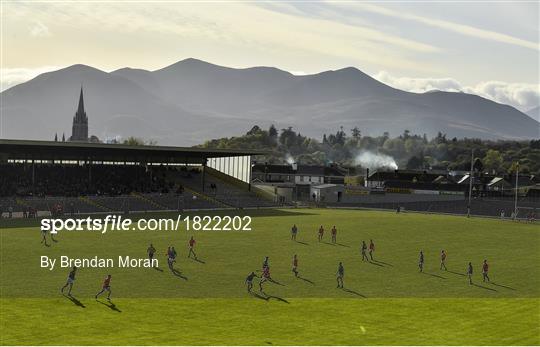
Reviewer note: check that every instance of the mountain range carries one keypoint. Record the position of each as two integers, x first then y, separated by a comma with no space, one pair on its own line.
192,101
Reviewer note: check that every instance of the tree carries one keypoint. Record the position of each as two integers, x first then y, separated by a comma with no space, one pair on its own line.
415,163
412,146
513,168
441,138
255,130
478,166
493,160
272,131
355,132
341,136
439,152
287,137
133,141
136,141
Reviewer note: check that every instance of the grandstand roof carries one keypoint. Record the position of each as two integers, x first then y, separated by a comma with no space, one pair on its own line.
52,150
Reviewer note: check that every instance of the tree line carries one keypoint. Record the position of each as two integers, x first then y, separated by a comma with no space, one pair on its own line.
409,150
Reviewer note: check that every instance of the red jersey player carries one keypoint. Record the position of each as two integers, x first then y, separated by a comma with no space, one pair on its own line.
191,246
295,266
106,287
265,277
334,234
443,260
321,233
485,268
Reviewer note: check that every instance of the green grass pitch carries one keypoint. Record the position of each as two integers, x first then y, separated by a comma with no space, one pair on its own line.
387,302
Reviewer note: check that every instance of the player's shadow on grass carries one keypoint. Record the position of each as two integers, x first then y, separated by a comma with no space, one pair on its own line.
373,262
342,245
306,280
486,288
500,285
157,268
178,274
301,242
277,298
434,275
110,305
259,296
275,282
328,243
199,260
455,273
353,292
75,301
267,297
382,262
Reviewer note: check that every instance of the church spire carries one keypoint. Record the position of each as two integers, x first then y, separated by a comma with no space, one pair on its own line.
80,109
79,130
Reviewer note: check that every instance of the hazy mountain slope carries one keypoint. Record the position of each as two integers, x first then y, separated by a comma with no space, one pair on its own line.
143,78
191,101
534,113
330,86
262,94
199,85
399,114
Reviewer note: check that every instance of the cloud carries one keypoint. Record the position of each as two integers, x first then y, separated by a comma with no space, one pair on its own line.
14,76
418,85
229,29
522,96
38,29
458,28
298,72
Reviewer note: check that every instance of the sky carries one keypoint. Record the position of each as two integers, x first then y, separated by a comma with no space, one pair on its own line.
487,48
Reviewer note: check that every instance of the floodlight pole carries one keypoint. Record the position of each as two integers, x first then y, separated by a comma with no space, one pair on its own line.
516,195
470,184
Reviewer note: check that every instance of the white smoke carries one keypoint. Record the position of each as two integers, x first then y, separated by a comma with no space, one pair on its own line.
373,161
289,159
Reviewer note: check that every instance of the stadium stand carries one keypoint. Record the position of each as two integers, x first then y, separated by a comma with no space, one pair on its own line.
38,177
227,191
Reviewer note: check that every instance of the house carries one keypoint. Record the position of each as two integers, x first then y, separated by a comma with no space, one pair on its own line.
270,173
314,174
297,174
381,178
499,184
299,177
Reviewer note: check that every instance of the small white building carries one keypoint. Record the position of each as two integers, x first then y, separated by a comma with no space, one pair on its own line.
326,193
